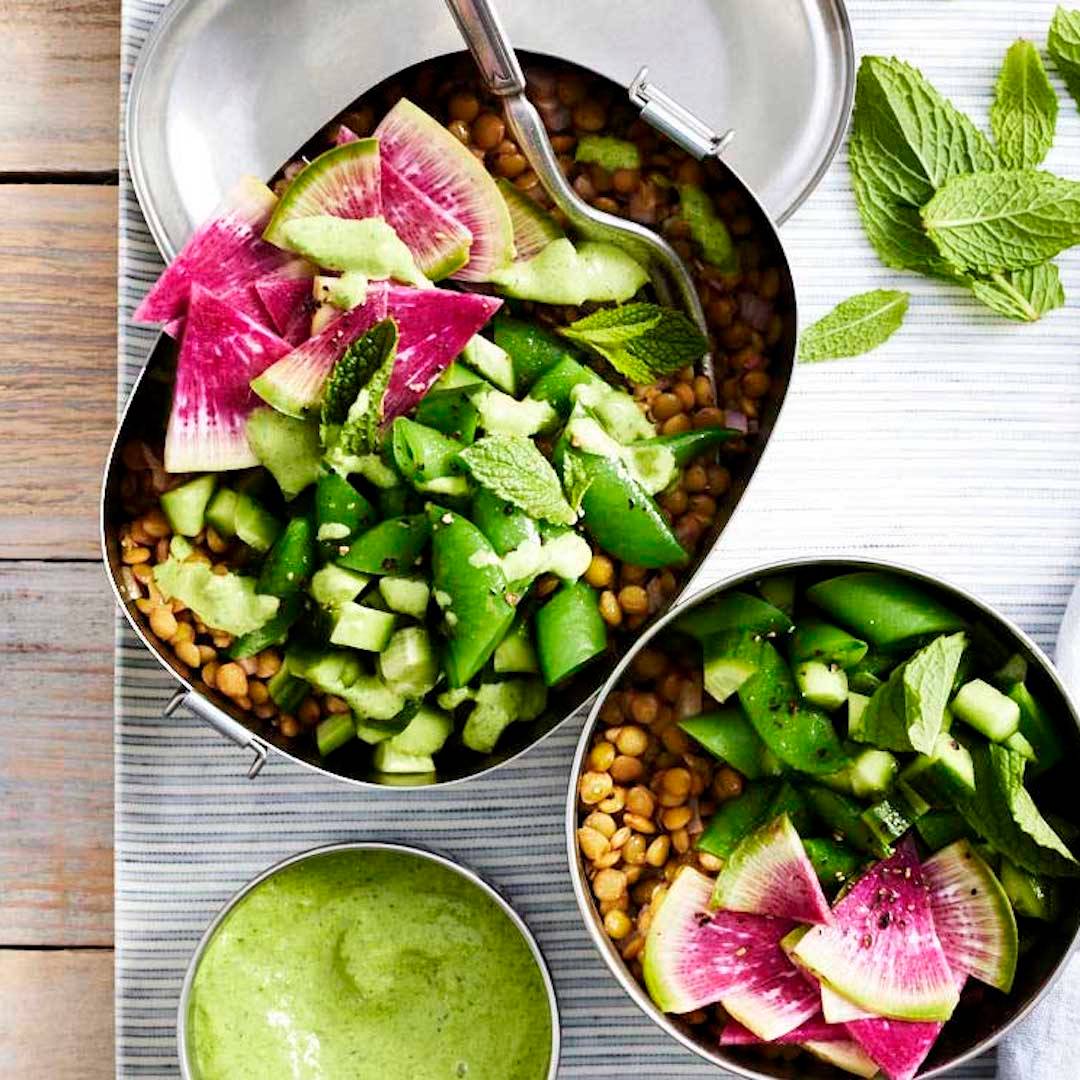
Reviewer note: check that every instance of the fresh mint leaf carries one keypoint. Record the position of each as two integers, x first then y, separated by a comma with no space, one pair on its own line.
615,325
513,468
645,343
1023,295
360,431
350,373
919,138
855,326
1003,812
1063,45
577,480
907,712
1005,220
1025,108
907,140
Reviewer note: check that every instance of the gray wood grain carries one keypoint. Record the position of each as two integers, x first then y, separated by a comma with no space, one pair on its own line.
56,656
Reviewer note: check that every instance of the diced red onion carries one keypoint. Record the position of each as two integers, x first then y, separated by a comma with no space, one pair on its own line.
754,311
655,592
736,420
695,825
689,701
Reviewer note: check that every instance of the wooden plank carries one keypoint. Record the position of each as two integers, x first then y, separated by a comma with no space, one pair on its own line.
59,85
57,364
56,1014
56,638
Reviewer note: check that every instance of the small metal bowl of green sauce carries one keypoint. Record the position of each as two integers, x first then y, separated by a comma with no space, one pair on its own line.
368,959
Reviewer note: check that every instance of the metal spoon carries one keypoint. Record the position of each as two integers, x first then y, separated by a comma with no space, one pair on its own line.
482,29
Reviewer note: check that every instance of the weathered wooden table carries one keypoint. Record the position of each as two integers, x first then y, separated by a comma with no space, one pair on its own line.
58,144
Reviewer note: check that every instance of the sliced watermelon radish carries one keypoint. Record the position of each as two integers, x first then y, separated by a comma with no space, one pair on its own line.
286,296
838,1010
777,1006
439,244
429,157
883,954
972,915
769,874
813,1030
294,384
435,325
345,182
694,956
222,350
899,1047
534,228
848,1056
224,254
345,134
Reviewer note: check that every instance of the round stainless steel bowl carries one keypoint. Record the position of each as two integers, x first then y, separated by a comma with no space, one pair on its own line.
188,1070
972,1030
144,419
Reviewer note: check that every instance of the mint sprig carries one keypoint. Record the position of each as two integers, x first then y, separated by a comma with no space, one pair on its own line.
511,467
1024,113
360,429
855,326
641,341
1063,45
1023,295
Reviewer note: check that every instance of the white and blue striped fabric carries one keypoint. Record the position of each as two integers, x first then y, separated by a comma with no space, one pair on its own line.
955,448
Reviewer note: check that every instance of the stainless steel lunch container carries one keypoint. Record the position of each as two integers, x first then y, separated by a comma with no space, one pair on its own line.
144,414
972,1030
187,1068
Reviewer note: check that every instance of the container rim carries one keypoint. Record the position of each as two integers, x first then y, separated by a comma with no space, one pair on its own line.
466,872
586,907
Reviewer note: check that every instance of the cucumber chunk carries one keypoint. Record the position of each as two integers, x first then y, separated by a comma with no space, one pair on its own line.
731,658
185,506
389,760
408,664
987,710
822,684
221,512
334,585
515,654
407,595
361,627
1021,746
426,733
872,773
1037,727
944,777
334,732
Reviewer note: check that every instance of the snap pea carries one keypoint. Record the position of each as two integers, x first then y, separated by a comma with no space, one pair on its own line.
396,501
286,690
532,350
728,735
334,732
789,800
800,735
569,632
470,587
886,610
450,412
736,819
691,444
291,561
815,639
505,525
341,512
939,828
556,384
1038,729
833,862
423,454
271,632
734,611
621,517
391,546
843,815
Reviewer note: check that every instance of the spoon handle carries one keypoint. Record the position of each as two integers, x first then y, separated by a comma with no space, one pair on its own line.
483,31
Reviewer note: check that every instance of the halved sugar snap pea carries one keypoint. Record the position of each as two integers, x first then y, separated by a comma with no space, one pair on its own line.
738,611
729,736
392,546
291,560
569,632
505,525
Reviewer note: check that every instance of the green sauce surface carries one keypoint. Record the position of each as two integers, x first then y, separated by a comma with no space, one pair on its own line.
368,965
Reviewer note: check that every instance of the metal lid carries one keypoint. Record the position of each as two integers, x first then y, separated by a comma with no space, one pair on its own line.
225,88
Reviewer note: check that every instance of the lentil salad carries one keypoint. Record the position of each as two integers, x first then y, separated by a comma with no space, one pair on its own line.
747,320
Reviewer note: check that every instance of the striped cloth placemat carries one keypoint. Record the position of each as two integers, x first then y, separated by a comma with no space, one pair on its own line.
956,449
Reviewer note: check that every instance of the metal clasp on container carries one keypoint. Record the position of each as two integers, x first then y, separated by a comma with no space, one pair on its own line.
676,121
222,723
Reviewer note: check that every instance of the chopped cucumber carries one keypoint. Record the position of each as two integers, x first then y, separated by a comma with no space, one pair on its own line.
221,512
180,547
944,777
492,361
889,818
426,733
334,585
334,732
843,815
408,664
286,690
1038,728
833,862
1017,742
872,773
731,658
822,684
185,506
500,414
939,828
1030,894
856,707
407,595
389,760
361,627
987,710
255,526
